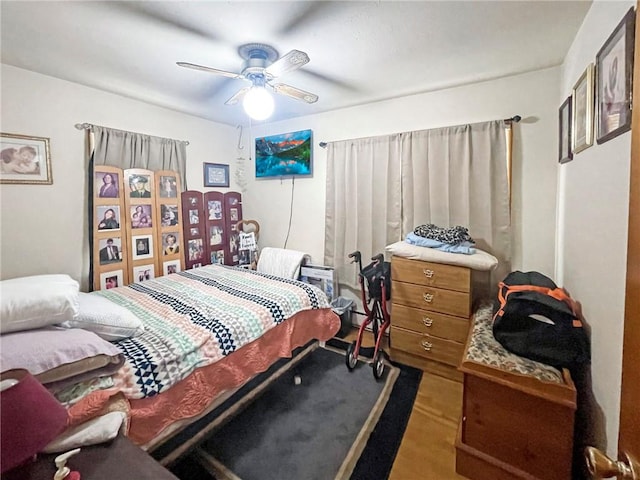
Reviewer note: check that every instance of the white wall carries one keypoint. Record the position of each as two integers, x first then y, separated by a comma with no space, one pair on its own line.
44,227
593,198
532,95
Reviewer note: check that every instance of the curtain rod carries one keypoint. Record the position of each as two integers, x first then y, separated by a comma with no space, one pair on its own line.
515,118
89,126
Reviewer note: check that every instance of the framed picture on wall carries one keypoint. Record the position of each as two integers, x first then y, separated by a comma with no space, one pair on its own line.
614,70
564,122
216,175
25,159
582,111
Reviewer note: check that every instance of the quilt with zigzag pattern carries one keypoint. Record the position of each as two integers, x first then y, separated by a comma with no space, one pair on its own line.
196,317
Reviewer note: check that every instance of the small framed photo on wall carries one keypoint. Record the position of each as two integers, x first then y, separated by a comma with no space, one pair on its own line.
25,159
564,122
582,112
614,71
111,279
216,175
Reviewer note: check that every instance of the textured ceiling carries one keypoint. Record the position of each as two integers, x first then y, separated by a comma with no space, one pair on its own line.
360,51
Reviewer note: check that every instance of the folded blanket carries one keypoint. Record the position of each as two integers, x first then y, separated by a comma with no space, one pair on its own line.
462,247
281,262
452,235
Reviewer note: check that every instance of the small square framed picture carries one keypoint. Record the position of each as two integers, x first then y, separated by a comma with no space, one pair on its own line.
142,246
564,122
216,175
172,266
143,273
111,279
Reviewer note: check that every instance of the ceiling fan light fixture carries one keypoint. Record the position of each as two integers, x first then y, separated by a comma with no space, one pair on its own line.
258,103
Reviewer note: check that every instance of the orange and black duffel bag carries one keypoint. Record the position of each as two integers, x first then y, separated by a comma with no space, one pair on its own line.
536,319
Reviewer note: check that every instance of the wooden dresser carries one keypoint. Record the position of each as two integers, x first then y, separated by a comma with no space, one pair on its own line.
430,309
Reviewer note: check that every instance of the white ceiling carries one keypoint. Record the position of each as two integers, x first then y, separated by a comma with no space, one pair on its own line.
360,51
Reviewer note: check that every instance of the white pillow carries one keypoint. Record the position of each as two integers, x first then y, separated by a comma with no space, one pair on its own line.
33,302
104,318
94,431
480,260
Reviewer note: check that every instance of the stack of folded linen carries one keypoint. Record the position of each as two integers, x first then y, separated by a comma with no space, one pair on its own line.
61,336
453,240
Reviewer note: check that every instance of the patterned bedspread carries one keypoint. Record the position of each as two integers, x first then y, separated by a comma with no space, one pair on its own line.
195,318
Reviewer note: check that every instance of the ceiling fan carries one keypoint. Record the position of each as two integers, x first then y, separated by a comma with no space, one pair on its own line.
261,67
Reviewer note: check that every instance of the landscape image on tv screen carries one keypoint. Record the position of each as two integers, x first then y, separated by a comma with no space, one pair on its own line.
284,155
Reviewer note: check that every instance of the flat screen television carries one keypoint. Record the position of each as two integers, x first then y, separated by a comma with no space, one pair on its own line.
287,154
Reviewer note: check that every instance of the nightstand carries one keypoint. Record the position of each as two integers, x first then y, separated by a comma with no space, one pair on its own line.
118,459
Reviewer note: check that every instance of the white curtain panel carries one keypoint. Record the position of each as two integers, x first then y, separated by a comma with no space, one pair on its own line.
119,148
381,188
363,200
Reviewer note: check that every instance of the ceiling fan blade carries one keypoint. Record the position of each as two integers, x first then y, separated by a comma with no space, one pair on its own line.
237,96
289,91
215,71
288,63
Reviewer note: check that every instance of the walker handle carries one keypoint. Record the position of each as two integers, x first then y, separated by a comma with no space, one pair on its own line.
356,256
378,258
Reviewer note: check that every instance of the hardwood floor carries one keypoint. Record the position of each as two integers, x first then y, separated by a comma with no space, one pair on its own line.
427,449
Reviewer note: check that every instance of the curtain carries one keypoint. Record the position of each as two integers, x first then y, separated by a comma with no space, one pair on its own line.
458,176
363,208
379,189
123,149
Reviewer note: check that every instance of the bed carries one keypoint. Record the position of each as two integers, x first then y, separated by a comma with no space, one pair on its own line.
207,332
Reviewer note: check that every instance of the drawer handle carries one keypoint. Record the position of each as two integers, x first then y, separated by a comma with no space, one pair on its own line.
428,273
427,345
427,321
428,297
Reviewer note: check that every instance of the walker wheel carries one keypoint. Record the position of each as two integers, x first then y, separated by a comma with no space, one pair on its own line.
351,359
378,365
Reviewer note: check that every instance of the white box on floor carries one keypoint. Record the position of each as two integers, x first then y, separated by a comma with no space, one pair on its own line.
325,278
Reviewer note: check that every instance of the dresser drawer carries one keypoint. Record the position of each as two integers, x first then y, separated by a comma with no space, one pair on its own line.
425,298
425,346
431,274
432,323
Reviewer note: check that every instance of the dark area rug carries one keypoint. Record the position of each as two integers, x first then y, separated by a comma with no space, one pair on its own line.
315,428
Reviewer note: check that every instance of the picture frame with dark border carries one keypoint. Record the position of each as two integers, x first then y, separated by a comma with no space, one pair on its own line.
216,175
564,132
614,73
582,111
25,159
